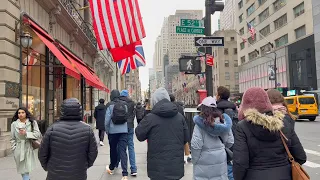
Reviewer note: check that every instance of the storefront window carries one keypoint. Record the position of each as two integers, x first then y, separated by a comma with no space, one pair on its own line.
73,88
33,83
58,90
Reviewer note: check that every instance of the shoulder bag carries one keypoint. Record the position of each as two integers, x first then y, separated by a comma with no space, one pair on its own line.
298,173
228,151
35,143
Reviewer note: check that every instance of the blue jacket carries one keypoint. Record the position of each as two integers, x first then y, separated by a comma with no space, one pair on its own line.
114,128
218,129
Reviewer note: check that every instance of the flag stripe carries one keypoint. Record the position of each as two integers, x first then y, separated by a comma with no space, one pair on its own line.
127,19
97,25
106,25
109,11
114,17
123,24
133,23
137,19
140,20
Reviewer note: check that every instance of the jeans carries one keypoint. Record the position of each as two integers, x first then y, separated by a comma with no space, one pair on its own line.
25,176
230,172
119,142
101,135
132,155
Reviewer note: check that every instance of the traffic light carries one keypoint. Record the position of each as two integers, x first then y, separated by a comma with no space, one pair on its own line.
216,6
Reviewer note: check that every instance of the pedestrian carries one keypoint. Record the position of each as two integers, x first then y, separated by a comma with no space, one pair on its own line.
209,155
258,152
167,133
117,129
140,111
180,107
279,104
99,115
69,146
124,96
24,129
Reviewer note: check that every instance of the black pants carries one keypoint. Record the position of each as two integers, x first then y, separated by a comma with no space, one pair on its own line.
120,142
101,135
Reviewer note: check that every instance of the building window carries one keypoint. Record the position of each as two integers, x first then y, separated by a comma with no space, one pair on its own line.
236,75
235,63
241,18
226,63
264,15
253,22
241,31
301,31
279,4
265,49
243,59
251,41
283,40
253,55
250,10
232,38
261,2
265,31
242,45
298,10
226,51
240,4
280,21
235,51
227,76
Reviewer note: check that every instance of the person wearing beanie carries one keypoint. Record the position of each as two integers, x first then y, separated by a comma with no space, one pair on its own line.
124,96
258,151
68,147
167,133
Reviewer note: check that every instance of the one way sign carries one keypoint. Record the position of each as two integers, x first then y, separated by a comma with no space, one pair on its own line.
208,41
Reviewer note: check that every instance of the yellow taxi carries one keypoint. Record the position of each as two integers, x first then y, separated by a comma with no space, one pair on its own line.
305,107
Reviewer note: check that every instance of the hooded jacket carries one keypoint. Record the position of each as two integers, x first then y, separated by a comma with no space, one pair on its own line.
130,104
167,132
109,126
209,157
99,115
258,152
68,147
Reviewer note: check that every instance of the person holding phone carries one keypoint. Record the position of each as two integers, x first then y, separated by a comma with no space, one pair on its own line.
23,130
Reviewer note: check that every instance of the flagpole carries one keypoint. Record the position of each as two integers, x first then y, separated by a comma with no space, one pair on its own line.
249,43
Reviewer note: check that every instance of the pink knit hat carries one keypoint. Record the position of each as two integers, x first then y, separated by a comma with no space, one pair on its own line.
255,98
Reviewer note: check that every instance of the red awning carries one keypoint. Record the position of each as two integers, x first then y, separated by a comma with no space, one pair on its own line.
91,78
49,42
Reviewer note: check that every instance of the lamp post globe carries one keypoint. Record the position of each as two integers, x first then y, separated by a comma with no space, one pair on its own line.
26,40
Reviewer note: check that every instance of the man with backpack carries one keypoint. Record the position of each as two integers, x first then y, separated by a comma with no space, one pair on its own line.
229,108
117,130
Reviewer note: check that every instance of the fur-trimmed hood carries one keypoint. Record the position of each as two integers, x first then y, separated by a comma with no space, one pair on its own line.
263,126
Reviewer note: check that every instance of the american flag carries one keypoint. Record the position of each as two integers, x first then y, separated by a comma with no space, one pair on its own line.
133,62
251,30
116,22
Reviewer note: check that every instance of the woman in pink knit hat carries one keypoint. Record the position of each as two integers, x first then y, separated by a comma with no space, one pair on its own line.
258,152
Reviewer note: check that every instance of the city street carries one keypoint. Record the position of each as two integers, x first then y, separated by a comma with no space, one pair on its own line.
307,131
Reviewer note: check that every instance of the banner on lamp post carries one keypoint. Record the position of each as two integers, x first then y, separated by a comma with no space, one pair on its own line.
271,73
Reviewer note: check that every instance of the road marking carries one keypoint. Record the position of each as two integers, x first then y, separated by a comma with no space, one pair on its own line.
312,152
311,164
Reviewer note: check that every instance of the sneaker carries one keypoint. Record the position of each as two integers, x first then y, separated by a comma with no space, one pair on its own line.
108,170
101,143
124,178
134,173
189,159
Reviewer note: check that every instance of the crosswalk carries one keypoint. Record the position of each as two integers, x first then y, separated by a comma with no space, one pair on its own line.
309,163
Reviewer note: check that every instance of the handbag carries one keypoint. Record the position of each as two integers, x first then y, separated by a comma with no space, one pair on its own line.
35,143
228,152
298,173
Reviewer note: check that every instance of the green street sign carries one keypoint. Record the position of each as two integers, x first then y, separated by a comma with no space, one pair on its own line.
189,30
191,23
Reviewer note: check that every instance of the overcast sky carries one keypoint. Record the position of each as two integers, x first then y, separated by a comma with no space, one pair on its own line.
153,13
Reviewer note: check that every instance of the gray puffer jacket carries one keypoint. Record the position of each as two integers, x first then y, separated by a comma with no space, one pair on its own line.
208,154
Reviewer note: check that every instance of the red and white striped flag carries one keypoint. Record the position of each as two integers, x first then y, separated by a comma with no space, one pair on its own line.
116,22
251,30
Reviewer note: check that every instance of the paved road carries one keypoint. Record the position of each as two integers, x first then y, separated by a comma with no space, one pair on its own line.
308,132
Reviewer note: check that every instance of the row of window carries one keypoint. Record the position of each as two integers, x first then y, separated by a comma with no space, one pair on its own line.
276,6
226,51
227,76
227,64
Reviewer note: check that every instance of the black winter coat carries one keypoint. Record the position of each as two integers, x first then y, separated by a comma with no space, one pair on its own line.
131,110
140,111
99,115
67,150
258,152
167,132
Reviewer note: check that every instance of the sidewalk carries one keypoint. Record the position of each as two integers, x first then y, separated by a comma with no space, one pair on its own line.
97,172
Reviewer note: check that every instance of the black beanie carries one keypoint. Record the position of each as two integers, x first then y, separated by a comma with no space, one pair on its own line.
71,109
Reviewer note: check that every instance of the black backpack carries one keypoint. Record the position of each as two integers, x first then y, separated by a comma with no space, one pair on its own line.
120,112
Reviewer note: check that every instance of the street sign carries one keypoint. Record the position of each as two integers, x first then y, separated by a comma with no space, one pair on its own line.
189,30
208,41
189,65
191,23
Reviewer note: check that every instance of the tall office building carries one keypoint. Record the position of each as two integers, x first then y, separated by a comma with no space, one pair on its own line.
228,15
288,25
